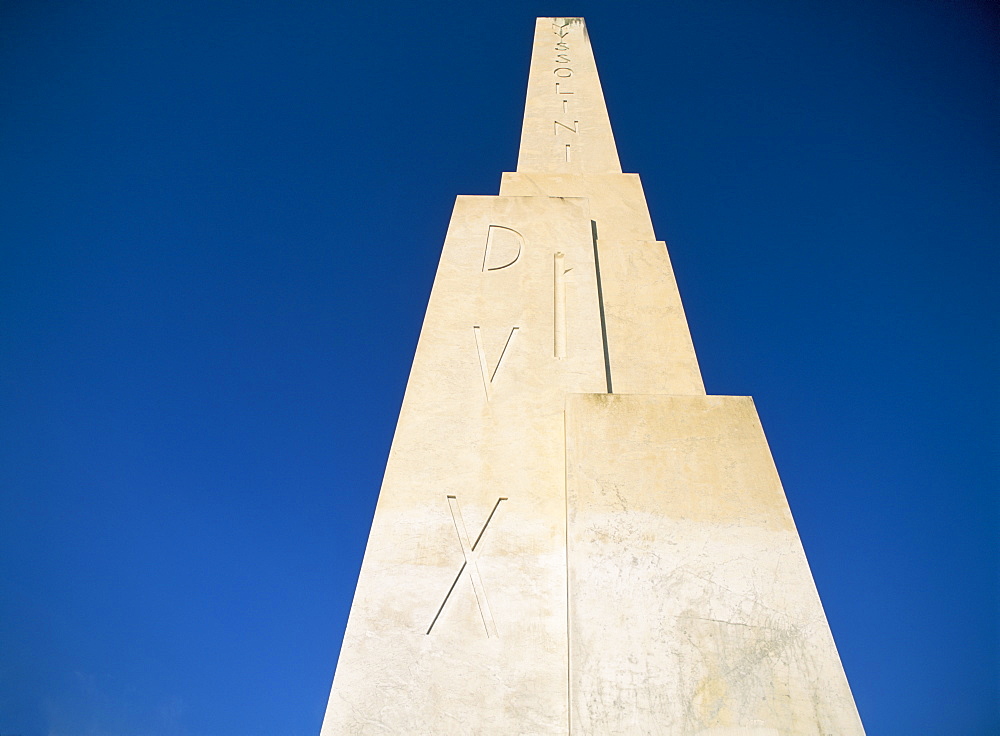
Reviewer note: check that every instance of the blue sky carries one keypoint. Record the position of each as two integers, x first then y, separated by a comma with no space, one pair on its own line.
219,224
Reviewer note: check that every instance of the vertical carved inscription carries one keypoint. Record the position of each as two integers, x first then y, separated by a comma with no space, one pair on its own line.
471,554
563,70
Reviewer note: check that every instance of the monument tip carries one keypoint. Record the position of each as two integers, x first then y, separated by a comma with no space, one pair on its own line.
566,128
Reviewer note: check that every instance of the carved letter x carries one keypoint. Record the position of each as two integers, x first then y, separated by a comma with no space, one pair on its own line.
469,550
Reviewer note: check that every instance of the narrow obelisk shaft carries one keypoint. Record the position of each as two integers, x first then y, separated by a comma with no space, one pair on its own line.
566,127
568,150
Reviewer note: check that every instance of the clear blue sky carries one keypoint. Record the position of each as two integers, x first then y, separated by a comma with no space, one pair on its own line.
219,224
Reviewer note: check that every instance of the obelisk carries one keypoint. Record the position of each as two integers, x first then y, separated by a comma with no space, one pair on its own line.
571,537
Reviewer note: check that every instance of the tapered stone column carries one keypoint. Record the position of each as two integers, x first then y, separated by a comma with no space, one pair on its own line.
571,537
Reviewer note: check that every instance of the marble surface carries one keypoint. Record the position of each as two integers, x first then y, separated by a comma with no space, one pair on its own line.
571,537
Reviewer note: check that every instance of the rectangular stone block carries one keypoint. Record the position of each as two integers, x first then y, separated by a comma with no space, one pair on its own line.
692,608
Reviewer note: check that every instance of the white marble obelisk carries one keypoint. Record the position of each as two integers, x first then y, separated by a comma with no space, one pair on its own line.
571,537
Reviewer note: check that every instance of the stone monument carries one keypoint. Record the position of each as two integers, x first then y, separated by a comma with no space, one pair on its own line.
571,536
